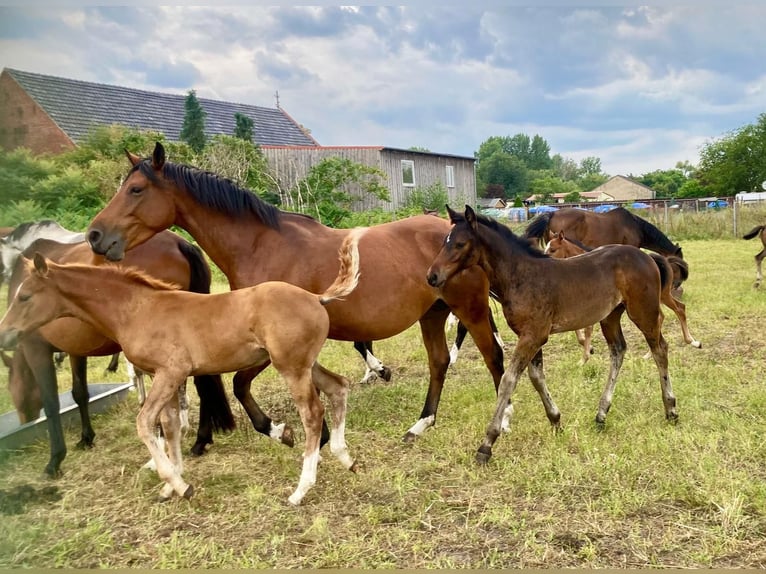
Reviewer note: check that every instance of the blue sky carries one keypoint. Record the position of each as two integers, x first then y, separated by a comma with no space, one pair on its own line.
641,87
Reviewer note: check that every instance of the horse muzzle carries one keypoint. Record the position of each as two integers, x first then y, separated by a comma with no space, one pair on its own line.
435,279
9,339
110,245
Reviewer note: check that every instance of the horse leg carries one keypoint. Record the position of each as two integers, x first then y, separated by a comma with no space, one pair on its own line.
462,331
114,362
758,261
584,337
170,421
39,356
435,341
25,392
526,348
680,310
374,367
261,422
183,407
612,330
311,411
164,389
537,376
214,411
79,366
336,388
136,379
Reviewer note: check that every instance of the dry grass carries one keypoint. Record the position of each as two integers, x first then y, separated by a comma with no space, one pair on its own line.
640,494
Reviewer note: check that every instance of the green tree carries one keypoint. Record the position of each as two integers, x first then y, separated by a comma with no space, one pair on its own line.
239,160
590,174
666,183
193,129
244,128
736,162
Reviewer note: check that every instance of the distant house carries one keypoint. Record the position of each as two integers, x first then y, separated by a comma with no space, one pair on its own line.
621,188
49,114
491,203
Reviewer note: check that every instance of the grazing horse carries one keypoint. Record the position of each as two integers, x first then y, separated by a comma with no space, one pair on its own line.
541,295
195,334
168,257
759,230
596,229
561,247
252,241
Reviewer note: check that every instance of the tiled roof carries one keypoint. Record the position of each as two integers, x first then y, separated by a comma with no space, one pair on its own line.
75,106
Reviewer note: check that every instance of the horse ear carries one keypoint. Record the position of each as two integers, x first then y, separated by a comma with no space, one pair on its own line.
41,265
561,235
453,216
158,157
470,217
132,158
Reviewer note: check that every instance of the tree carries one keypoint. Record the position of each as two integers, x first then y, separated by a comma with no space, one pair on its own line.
666,183
735,162
244,128
193,129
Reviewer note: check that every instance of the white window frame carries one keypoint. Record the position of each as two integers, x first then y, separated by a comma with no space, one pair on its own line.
450,176
411,164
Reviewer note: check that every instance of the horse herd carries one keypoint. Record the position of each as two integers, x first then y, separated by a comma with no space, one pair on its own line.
156,306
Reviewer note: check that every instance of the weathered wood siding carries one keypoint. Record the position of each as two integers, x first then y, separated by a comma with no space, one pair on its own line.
290,164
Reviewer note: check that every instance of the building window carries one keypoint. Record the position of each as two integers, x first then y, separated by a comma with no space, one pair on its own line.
408,173
450,176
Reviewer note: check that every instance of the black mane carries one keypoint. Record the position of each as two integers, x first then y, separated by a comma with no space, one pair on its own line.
214,191
653,237
508,235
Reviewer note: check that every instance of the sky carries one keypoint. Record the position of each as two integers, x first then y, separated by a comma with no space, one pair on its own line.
640,87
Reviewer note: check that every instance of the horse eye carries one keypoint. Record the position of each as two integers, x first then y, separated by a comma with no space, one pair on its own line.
135,191
24,297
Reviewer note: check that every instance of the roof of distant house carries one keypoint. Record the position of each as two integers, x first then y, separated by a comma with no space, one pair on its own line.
76,106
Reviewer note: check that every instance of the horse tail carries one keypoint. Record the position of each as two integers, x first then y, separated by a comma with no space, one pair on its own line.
753,232
666,270
348,276
538,228
214,410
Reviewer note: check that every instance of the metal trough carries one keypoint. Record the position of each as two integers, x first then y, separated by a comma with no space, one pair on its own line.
102,396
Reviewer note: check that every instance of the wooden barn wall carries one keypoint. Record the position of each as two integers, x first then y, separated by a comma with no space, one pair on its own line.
290,165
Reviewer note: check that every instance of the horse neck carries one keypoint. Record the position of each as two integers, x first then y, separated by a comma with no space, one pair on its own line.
503,261
230,241
98,297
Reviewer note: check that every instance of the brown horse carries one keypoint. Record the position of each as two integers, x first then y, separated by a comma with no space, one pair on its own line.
252,242
561,247
541,295
192,334
33,375
759,230
596,229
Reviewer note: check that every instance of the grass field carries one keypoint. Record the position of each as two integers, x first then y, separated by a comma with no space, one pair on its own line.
642,493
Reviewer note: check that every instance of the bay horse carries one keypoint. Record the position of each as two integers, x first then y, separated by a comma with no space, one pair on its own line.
541,295
759,231
195,334
596,229
252,241
561,247
33,376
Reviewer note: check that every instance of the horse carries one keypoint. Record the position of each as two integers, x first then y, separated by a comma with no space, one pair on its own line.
541,295
33,376
196,334
252,241
561,247
759,230
596,229
23,235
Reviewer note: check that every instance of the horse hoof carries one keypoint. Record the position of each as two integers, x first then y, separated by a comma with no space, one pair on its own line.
288,436
483,455
697,345
52,473
84,444
409,437
354,467
600,424
385,374
199,448
672,418
189,492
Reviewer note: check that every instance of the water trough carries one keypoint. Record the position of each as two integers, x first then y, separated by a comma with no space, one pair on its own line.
102,396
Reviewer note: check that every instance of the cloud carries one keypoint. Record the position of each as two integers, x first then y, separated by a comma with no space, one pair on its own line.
640,87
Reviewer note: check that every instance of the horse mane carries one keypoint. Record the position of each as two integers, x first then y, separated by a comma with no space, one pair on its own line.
578,243
653,236
214,191
22,229
133,274
507,235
